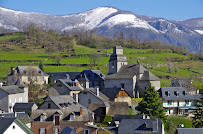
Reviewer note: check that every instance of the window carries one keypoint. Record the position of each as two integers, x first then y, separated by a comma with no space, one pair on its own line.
122,85
56,119
112,64
71,117
86,131
36,78
178,103
169,102
28,78
42,118
42,131
49,105
89,101
43,79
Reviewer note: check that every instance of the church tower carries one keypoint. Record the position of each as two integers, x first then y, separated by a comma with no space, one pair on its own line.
117,59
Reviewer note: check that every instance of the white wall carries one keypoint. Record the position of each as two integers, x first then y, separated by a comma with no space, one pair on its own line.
16,130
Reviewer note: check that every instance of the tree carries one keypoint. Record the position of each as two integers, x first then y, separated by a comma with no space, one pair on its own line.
107,119
198,118
57,58
94,59
50,81
151,105
41,66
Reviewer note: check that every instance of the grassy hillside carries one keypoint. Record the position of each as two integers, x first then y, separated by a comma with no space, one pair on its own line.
12,55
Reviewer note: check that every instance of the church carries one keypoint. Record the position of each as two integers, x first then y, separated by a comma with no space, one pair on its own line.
132,78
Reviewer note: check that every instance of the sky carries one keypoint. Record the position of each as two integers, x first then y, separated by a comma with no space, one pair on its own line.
168,9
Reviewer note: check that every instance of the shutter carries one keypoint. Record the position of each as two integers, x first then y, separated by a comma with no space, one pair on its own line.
56,120
39,130
45,131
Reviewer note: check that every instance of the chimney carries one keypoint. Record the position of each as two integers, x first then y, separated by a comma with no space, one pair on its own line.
80,111
1,84
143,116
12,69
97,91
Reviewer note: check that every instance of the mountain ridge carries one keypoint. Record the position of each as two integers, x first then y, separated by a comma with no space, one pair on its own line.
110,20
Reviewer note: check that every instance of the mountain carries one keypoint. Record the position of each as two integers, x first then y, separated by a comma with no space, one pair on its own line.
110,22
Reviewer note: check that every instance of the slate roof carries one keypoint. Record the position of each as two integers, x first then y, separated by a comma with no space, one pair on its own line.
63,75
127,72
5,123
68,130
139,126
20,115
67,83
112,92
114,107
28,105
53,92
93,92
66,102
65,114
91,75
120,117
26,70
149,76
20,83
12,89
173,91
189,130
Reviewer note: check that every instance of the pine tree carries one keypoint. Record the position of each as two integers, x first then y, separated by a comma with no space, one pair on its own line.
198,118
151,104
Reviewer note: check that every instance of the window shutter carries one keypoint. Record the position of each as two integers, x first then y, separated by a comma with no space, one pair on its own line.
45,131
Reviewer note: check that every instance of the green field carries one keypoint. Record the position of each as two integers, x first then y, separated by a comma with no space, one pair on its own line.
13,56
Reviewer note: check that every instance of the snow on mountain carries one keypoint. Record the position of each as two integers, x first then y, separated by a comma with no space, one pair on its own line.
199,31
107,21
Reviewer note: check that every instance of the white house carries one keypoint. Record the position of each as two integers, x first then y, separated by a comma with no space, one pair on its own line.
9,95
176,100
12,125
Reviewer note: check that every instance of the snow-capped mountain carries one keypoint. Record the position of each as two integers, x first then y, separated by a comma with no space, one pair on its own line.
108,21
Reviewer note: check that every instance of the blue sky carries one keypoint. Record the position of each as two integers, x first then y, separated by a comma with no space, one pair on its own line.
169,9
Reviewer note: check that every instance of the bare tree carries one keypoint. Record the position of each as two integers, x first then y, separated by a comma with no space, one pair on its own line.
94,59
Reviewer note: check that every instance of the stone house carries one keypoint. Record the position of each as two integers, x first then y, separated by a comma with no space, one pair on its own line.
87,96
66,87
9,95
91,79
132,78
117,95
26,74
176,100
101,109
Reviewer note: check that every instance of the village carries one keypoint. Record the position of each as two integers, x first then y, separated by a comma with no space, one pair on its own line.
90,102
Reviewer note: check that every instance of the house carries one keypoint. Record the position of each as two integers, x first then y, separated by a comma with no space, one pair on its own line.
176,100
87,96
101,109
27,74
12,125
141,126
63,75
132,78
116,120
22,116
87,78
9,95
58,112
25,107
91,79
189,131
66,87
117,94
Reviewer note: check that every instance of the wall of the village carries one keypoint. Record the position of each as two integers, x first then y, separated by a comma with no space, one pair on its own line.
123,99
174,103
128,85
155,84
84,99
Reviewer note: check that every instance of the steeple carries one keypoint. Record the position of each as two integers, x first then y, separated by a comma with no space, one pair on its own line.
117,59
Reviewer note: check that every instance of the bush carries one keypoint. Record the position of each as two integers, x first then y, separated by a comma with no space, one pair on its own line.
173,122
